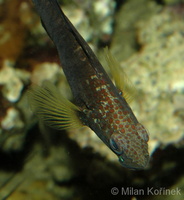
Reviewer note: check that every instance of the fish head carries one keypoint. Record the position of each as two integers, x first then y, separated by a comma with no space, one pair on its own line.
131,147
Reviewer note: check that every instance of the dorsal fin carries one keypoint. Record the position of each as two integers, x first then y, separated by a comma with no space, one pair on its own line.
121,79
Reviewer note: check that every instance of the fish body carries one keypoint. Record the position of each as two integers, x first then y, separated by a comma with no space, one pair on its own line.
99,104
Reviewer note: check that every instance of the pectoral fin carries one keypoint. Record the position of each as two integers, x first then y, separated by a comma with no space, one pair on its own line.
50,106
121,79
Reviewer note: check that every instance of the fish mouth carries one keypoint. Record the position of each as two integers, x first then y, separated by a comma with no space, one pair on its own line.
128,163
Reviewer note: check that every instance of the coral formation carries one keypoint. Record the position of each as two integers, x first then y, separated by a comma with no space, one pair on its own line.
157,72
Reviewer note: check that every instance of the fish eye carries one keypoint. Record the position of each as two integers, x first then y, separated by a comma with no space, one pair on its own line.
115,147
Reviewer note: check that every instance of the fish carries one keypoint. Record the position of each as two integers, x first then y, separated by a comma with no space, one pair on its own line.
98,103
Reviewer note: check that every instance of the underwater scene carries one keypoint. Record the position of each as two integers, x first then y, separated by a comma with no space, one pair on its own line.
91,99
